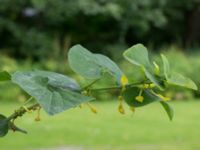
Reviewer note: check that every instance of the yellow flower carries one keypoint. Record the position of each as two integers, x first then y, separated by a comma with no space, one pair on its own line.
146,86
120,98
123,81
139,98
121,109
132,108
37,119
81,106
92,108
38,115
163,97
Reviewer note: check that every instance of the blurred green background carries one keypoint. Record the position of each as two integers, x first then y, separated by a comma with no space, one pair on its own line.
37,34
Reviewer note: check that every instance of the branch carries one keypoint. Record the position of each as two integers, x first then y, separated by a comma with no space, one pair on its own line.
21,111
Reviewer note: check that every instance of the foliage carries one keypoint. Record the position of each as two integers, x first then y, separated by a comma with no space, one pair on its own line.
56,93
186,63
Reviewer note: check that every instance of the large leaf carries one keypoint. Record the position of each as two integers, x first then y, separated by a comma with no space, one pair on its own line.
53,91
4,76
180,80
92,66
131,93
4,125
168,109
138,55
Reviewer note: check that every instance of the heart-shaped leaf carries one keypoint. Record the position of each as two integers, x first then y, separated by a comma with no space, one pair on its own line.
53,91
138,55
92,66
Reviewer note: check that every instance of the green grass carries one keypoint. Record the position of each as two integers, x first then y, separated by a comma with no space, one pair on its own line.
148,129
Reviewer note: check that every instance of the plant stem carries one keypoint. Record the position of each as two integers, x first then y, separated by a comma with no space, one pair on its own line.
118,87
21,111
30,99
89,85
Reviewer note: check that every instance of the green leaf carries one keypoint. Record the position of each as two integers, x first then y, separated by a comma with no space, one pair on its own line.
131,93
4,76
168,109
166,66
4,125
180,80
92,66
138,55
53,91
176,78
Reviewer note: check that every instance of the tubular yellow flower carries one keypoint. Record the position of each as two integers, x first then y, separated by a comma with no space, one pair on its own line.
163,97
139,98
120,98
92,108
132,108
146,86
38,115
81,106
120,107
123,81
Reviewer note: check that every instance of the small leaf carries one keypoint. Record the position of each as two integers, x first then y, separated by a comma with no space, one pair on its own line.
168,109
166,66
180,80
176,78
3,125
92,66
5,76
53,91
138,55
131,94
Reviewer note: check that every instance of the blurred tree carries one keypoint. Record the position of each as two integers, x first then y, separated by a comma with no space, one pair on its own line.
41,28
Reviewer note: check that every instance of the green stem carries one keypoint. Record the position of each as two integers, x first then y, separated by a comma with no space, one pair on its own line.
30,99
89,85
118,87
21,111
